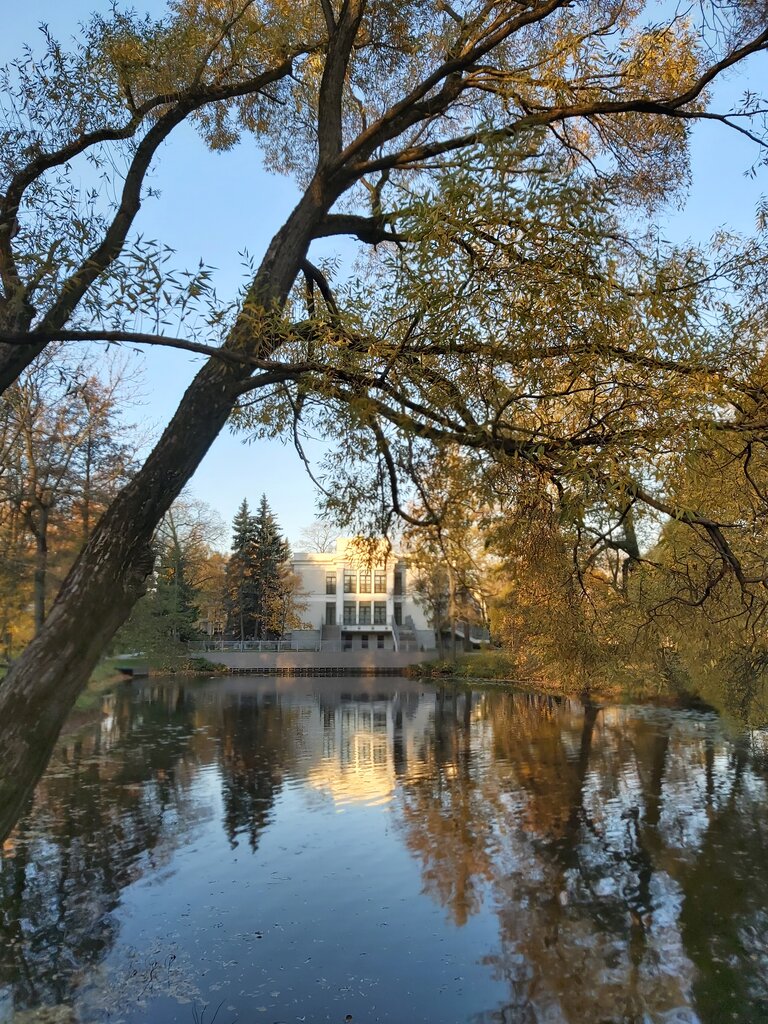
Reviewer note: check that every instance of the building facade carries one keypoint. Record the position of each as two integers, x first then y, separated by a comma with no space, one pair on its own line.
360,600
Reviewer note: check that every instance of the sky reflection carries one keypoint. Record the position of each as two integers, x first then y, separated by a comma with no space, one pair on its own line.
312,848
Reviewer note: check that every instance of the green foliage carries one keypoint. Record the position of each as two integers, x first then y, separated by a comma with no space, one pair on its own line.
260,589
166,618
496,665
174,596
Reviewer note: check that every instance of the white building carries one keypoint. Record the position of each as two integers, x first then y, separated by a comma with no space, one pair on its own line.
361,602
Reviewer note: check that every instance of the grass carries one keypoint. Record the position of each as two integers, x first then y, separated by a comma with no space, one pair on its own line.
499,665
106,675
103,679
183,664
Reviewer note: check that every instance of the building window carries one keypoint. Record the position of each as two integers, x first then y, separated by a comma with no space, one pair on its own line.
330,583
380,641
380,582
380,613
365,583
399,582
330,614
347,644
349,613
364,641
350,582
398,613
364,614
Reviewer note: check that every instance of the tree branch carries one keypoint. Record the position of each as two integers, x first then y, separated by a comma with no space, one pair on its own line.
329,117
670,106
372,230
12,362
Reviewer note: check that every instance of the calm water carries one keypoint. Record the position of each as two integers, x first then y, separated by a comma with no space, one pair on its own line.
305,850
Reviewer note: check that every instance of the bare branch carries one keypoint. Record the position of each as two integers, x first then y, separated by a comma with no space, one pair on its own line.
314,274
372,230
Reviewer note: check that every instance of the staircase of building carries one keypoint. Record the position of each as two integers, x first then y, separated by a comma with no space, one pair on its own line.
477,634
405,635
331,633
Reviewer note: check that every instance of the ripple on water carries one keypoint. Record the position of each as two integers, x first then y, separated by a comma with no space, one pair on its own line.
379,849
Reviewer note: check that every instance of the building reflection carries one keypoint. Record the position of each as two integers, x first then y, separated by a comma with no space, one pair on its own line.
360,744
623,846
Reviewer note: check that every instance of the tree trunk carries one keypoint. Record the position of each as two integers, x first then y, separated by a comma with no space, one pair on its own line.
41,567
86,515
109,576
452,612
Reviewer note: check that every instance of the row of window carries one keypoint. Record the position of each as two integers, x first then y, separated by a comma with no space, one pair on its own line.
361,583
358,614
364,642
363,614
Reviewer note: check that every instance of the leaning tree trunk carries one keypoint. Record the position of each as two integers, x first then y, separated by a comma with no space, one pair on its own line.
98,594
109,576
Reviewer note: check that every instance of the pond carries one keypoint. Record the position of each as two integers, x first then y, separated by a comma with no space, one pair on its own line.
384,850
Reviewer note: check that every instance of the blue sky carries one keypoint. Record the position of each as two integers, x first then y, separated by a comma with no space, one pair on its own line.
213,206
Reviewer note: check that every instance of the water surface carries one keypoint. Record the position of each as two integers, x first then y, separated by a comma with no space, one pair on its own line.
309,850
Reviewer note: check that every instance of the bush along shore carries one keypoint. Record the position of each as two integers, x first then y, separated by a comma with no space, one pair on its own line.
618,683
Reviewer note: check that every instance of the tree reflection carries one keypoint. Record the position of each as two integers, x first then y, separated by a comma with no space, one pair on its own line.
444,814
100,816
723,919
117,801
257,747
623,851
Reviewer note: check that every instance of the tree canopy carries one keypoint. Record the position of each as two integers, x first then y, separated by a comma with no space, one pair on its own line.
481,148
261,587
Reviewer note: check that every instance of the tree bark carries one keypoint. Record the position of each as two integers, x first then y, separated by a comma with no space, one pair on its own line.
467,644
110,573
40,530
41,572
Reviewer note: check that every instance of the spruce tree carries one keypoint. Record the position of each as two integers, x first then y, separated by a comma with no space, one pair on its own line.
240,598
256,574
175,597
165,618
271,554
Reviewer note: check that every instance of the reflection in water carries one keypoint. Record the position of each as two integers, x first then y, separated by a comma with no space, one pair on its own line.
314,848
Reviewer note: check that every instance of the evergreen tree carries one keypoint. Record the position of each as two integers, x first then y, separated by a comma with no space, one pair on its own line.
256,575
165,618
239,579
174,603
271,556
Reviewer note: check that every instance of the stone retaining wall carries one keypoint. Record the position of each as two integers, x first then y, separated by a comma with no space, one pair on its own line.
317,662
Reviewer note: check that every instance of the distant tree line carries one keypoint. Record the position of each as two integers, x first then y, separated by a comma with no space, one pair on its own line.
197,591
64,452
65,449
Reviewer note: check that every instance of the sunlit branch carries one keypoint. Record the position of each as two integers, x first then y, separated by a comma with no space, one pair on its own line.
418,106
670,106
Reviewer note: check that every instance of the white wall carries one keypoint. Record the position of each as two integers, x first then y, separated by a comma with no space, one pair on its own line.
312,568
